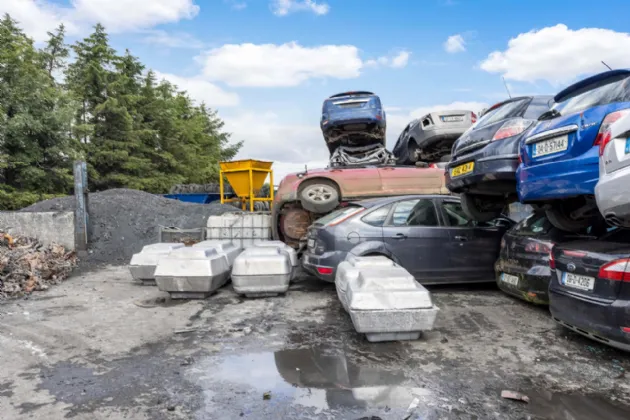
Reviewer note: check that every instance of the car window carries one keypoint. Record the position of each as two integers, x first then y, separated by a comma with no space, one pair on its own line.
614,89
455,214
507,110
336,214
535,224
419,212
536,108
378,216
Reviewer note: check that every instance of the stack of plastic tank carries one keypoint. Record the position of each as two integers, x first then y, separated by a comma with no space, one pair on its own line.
242,229
142,265
384,301
262,271
284,247
196,272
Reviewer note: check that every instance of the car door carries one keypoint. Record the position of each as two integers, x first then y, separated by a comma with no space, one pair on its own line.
473,247
414,236
400,180
357,182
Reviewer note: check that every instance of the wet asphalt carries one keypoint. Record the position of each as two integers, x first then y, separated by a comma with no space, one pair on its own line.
99,346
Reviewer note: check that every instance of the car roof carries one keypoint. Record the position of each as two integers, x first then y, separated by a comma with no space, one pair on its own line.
373,202
518,98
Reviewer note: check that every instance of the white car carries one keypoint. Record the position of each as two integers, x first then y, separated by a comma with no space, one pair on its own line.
612,192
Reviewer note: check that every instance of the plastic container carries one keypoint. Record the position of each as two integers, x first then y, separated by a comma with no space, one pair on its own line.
281,245
262,271
242,229
185,236
142,265
226,248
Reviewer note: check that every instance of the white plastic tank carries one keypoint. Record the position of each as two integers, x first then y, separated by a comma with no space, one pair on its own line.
242,229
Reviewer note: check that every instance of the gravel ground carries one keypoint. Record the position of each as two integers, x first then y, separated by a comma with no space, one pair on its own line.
123,221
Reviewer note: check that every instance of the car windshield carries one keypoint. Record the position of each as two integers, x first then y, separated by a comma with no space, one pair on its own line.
507,110
614,89
337,214
535,224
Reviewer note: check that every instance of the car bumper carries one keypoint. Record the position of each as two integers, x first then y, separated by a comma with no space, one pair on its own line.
612,193
494,173
430,137
340,124
560,179
533,281
599,322
332,259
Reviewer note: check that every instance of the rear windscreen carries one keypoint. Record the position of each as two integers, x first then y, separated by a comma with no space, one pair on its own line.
614,89
535,224
351,103
507,110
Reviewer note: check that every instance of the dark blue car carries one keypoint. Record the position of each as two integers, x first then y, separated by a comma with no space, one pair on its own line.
353,119
560,161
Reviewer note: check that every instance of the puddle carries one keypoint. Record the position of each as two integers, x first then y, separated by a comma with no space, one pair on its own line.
316,378
557,406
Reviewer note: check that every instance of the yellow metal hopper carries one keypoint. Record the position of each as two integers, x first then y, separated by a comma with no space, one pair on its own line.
246,178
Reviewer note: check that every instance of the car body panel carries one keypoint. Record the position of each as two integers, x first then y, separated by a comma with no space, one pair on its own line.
601,312
574,171
612,191
425,251
495,162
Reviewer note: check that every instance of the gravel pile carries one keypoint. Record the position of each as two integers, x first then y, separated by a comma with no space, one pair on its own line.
122,221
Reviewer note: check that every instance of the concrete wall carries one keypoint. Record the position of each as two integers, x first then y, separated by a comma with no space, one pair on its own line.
48,227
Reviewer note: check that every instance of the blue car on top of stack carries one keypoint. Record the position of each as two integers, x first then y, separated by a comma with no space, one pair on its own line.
560,155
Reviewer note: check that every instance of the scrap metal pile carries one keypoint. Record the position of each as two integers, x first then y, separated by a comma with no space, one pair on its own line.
27,265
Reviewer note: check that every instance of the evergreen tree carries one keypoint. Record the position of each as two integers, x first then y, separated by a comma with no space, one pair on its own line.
55,53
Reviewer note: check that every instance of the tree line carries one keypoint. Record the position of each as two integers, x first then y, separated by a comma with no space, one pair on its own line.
60,103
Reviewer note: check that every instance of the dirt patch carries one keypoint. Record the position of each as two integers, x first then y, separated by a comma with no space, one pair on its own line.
122,221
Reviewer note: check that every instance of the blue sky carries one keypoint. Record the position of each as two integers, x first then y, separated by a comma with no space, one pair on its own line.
267,65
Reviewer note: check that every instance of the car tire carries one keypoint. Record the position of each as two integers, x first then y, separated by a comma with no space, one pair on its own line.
560,219
473,208
411,151
445,158
319,196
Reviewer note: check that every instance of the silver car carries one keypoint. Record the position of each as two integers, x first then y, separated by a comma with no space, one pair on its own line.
612,192
429,235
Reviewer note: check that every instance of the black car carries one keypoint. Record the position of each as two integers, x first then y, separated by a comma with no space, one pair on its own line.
429,235
590,288
522,269
485,158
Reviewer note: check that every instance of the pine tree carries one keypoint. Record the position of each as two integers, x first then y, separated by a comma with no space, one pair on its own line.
56,52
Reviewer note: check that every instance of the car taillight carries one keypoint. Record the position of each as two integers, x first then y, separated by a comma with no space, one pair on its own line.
608,120
617,270
538,247
552,261
324,270
473,117
577,254
604,141
512,128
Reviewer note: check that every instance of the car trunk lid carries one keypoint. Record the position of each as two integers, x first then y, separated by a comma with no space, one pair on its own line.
617,152
578,267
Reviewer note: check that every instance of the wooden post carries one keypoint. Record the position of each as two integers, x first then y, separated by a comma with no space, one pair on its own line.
81,209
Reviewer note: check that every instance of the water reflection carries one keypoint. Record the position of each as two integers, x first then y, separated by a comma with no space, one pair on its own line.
319,378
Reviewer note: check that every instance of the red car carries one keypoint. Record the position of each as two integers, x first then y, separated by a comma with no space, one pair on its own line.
303,197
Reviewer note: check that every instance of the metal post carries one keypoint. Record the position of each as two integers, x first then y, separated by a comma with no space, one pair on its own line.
271,189
221,186
80,211
251,190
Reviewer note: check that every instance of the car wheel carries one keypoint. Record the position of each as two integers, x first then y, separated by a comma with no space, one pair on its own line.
320,196
560,217
411,151
479,209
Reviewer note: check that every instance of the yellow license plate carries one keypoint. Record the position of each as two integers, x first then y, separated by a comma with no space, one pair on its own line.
463,169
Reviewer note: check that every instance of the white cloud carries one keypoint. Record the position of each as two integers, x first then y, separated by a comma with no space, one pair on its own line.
202,90
271,65
172,40
236,5
267,137
285,7
397,122
39,16
559,55
455,43
398,61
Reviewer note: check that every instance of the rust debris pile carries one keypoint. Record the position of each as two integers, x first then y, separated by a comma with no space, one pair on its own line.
27,265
